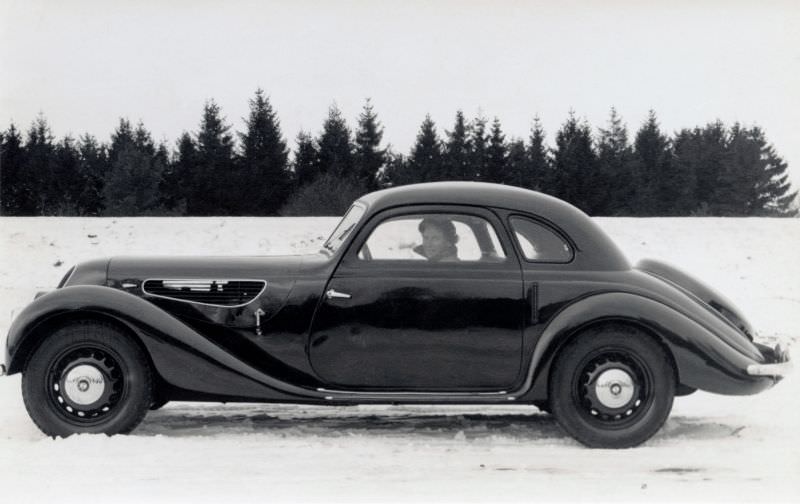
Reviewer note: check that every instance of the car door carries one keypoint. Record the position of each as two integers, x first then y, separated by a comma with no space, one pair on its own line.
394,319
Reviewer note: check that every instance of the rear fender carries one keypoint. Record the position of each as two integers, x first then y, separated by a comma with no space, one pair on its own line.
183,357
702,359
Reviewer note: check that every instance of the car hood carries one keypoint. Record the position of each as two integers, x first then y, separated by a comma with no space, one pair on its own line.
138,269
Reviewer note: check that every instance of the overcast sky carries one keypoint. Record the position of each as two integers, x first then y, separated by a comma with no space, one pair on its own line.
85,64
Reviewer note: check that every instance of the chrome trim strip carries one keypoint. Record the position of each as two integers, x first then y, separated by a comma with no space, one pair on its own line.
780,369
263,288
421,394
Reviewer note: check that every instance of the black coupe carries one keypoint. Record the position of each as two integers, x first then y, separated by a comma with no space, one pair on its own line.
440,293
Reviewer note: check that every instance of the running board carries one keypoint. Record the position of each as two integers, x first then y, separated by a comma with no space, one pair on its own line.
344,395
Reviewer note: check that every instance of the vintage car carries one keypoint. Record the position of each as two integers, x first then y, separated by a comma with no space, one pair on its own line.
439,293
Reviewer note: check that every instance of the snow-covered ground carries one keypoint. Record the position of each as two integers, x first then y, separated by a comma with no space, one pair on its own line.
712,447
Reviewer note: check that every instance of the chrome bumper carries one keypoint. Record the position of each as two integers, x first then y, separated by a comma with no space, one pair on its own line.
779,370
782,367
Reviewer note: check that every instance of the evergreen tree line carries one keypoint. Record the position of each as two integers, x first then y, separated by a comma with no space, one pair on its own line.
710,170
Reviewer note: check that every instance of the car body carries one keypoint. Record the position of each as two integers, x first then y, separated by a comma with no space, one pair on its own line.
543,309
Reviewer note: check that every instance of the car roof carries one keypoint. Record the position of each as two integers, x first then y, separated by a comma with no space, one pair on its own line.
597,249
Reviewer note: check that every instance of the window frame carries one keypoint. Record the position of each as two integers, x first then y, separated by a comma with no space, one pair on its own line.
352,261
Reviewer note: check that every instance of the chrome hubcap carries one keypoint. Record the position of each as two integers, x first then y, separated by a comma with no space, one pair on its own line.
614,388
84,385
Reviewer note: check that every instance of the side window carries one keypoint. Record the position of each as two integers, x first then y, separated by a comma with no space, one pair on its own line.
540,243
434,238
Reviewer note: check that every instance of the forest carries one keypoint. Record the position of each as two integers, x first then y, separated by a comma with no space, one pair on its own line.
714,169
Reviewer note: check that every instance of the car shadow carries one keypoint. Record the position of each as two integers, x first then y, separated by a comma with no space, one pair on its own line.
336,422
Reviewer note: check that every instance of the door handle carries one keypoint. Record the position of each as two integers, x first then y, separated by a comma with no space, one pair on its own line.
334,294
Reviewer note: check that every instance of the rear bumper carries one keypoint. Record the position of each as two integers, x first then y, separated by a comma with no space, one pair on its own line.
778,365
776,370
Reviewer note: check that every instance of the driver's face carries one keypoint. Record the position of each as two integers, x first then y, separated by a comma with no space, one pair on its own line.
434,243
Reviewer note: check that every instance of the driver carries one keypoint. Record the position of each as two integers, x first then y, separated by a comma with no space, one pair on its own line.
439,240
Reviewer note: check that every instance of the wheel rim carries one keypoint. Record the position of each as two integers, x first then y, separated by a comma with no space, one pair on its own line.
86,384
613,388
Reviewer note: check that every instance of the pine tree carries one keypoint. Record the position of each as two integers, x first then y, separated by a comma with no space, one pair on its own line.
66,185
650,167
132,184
177,180
772,194
335,152
478,150
540,174
497,156
38,169
517,164
264,180
713,147
425,163
614,168
93,167
457,151
575,165
306,160
143,140
370,159
11,176
121,138
734,184
687,160
752,179
212,190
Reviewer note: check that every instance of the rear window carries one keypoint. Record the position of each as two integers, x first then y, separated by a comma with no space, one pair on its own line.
539,243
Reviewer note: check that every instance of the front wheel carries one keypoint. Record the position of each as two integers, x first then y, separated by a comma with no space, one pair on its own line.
612,387
87,377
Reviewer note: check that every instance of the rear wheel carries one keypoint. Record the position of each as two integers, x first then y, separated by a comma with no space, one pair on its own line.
87,377
612,387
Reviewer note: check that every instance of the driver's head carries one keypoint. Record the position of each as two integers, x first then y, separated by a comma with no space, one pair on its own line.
439,238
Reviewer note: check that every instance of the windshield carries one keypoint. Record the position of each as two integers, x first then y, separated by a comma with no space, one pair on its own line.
346,225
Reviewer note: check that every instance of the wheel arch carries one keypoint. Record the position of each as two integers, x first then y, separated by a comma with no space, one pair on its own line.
700,357
543,371
40,330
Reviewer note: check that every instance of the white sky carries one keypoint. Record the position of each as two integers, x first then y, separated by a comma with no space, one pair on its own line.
84,64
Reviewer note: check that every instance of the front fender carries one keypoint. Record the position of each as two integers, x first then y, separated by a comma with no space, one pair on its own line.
708,353
183,357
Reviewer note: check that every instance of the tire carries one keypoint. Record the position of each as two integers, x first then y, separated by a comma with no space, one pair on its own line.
612,387
87,377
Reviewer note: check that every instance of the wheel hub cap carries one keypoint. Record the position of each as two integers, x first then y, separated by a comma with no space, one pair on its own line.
614,388
84,385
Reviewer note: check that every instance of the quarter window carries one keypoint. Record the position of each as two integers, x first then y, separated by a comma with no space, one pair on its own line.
345,226
433,238
539,243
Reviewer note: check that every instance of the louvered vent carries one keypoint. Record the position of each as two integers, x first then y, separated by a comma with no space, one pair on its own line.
212,292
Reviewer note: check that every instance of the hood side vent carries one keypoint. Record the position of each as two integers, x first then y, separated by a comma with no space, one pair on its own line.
216,292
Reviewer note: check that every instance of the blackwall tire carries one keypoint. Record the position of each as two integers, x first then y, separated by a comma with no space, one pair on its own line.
87,377
612,387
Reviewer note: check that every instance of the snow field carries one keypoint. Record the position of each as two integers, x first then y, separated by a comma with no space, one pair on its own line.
711,448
